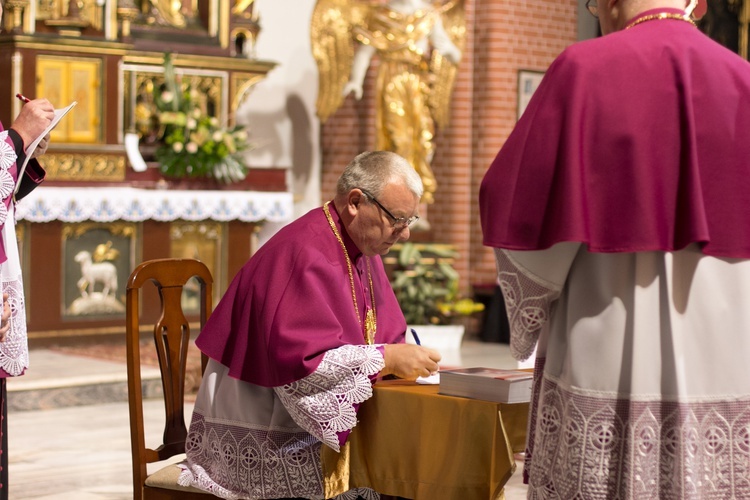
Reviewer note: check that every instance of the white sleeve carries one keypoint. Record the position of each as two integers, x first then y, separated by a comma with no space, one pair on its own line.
530,282
323,402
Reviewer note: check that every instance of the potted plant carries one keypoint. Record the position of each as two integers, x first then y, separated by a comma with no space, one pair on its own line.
426,287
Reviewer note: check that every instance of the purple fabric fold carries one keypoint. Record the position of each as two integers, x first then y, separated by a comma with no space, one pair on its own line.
625,147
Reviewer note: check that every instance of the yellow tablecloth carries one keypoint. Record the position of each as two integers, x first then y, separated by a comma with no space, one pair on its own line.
415,443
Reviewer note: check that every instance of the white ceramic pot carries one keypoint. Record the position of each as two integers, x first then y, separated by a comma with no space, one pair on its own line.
446,339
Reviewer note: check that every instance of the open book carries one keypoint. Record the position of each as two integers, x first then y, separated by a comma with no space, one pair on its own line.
59,113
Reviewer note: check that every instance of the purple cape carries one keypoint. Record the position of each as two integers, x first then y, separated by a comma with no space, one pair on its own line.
292,302
635,141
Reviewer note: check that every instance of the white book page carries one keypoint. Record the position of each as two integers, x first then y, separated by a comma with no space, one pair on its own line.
59,113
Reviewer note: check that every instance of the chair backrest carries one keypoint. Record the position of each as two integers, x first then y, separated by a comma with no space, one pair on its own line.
171,341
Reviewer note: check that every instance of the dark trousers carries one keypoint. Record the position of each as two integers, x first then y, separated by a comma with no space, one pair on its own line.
4,439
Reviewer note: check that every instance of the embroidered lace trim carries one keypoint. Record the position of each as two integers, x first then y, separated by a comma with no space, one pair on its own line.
601,448
527,301
7,152
238,460
7,184
322,403
14,352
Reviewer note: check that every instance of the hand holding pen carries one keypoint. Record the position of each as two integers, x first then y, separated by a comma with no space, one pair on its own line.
416,337
34,117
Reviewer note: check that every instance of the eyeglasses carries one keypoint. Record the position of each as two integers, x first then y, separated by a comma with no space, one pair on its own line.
398,223
592,7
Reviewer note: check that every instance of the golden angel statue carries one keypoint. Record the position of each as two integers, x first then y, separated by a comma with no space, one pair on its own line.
418,43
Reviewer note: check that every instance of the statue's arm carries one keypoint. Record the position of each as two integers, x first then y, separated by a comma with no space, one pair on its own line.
443,44
361,62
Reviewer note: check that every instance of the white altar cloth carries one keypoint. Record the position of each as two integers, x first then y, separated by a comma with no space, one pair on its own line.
107,204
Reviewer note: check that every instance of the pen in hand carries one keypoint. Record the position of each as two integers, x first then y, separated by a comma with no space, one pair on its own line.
23,98
416,337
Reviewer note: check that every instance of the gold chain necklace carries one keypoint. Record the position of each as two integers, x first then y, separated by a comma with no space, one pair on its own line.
659,16
371,317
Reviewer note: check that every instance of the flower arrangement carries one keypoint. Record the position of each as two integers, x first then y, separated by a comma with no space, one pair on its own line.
193,143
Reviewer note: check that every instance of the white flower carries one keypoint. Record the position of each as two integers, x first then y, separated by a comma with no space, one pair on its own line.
196,113
191,147
218,136
167,96
191,124
214,121
177,147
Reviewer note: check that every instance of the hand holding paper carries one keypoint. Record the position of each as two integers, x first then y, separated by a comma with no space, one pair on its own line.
42,135
41,148
34,117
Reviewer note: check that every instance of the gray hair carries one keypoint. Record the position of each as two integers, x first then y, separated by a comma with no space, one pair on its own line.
373,170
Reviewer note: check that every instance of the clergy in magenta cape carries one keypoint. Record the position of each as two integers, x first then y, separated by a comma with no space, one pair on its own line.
292,302
619,216
592,160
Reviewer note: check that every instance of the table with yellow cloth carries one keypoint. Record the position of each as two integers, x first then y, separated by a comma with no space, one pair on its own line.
414,443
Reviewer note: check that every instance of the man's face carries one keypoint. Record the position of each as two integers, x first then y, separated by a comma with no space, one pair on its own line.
373,229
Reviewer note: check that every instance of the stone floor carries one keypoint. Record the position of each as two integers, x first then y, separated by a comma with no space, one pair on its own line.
69,431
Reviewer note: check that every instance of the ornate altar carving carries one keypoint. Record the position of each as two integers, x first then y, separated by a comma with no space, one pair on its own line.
109,57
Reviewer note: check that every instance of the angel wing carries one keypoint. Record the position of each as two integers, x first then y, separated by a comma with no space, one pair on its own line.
333,48
104,252
443,71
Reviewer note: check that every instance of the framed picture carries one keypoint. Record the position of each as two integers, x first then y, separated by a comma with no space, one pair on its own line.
97,261
528,81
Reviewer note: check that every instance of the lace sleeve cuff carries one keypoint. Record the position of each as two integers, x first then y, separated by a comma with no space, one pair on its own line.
527,301
324,403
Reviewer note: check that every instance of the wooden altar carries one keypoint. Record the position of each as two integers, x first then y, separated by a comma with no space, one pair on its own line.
95,218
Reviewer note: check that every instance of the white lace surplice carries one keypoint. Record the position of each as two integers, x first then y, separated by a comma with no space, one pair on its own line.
645,390
247,441
14,352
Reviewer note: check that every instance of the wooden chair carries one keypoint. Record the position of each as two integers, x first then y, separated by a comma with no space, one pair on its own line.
171,341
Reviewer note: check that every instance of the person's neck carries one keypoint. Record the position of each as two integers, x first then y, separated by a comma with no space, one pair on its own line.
629,9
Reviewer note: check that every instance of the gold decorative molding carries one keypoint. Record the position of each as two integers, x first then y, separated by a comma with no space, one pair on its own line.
78,229
84,167
241,85
77,46
200,62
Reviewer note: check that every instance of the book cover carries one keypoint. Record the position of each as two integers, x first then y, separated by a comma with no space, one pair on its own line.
491,384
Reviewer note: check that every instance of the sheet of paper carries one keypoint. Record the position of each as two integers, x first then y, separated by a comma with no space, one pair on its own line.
59,113
433,379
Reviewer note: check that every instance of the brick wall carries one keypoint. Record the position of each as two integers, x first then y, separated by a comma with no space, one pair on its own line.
504,36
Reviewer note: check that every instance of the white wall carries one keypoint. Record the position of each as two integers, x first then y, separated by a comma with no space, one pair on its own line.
280,111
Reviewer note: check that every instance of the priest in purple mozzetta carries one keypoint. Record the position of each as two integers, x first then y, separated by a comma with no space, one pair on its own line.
619,211
301,334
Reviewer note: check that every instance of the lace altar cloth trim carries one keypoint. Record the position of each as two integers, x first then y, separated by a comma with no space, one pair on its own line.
109,204
240,460
588,447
